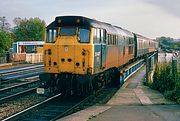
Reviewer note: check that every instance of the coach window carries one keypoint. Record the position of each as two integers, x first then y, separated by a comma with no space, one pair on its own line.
114,40
117,40
84,35
94,36
124,50
109,39
98,35
124,41
130,50
130,41
103,36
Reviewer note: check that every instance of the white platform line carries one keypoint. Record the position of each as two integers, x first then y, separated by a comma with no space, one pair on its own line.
142,97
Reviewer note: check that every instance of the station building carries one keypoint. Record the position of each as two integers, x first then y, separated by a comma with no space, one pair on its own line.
27,46
27,51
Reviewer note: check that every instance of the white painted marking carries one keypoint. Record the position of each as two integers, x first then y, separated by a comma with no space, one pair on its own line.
142,97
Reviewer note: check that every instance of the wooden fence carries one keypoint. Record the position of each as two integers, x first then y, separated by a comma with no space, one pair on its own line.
27,57
34,58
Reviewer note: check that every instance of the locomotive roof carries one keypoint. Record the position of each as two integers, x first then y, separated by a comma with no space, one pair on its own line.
61,21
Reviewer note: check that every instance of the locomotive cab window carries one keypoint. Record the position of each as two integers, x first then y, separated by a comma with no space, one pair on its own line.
51,35
84,35
67,31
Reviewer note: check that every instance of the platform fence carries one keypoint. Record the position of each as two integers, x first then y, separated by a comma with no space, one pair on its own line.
34,58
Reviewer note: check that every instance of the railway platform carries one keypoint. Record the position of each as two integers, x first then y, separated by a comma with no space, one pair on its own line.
132,102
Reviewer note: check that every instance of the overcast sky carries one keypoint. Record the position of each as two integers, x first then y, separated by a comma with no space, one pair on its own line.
151,18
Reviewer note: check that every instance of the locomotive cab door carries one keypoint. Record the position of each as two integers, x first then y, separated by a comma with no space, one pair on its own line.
103,48
100,47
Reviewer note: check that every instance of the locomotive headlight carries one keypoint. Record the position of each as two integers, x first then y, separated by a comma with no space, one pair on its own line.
78,20
59,21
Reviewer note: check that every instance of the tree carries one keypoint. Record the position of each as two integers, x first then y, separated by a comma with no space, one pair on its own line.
168,43
6,37
17,21
4,25
32,29
6,40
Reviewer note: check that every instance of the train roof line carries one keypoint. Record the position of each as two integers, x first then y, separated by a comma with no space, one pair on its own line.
85,21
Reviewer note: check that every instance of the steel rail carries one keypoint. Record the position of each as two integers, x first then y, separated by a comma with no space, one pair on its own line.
71,110
17,86
56,111
18,76
17,94
15,116
19,69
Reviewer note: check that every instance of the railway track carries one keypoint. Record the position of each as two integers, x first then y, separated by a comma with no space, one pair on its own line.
17,73
58,106
14,82
17,90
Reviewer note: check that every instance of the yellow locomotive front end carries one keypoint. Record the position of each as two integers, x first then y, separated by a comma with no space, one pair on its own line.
68,56
68,50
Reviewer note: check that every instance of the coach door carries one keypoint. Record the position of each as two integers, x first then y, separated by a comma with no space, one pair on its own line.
103,48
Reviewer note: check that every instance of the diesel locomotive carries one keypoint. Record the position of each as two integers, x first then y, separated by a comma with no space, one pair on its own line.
83,54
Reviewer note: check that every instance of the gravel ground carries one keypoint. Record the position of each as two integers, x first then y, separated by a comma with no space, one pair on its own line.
12,107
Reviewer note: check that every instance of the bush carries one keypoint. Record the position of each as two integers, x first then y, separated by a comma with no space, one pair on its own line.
163,81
